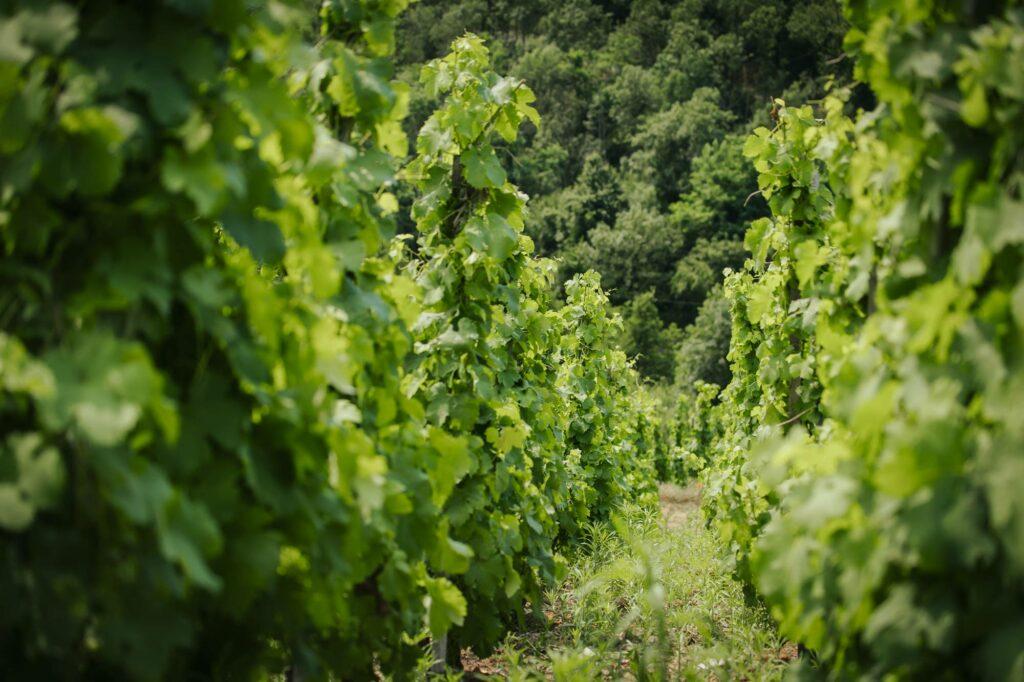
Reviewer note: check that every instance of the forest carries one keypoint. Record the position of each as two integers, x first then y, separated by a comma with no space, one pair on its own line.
638,170
511,340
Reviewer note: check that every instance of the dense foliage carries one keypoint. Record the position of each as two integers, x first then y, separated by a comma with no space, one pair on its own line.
703,352
638,171
869,469
546,399
243,430
248,431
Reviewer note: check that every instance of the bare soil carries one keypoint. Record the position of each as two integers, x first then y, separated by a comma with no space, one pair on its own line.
678,503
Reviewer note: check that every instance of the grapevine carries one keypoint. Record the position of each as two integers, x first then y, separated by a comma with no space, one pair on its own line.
865,483
227,448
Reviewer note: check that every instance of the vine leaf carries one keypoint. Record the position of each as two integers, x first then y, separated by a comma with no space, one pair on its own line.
483,170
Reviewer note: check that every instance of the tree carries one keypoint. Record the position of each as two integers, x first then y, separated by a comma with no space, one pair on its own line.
646,338
661,93
635,256
700,270
668,141
570,214
704,346
721,197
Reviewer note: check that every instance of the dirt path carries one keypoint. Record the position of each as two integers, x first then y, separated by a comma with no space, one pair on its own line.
677,503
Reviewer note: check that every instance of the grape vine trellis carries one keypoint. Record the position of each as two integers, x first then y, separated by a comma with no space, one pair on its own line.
541,392
244,430
866,464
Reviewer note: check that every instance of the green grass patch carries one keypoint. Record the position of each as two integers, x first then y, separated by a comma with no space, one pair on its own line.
645,600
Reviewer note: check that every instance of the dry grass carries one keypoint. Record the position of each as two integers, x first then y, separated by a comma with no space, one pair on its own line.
679,504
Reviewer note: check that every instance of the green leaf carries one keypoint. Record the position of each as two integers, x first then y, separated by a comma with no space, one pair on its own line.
50,26
450,556
380,35
513,583
759,302
757,239
1017,303
433,140
93,161
40,470
104,387
38,480
261,237
445,605
492,235
757,143
524,98
808,258
974,107
454,461
105,422
133,485
199,176
20,373
483,169
188,536
16,513
506,438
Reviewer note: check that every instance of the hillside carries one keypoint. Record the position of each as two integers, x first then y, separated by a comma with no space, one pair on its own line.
637,170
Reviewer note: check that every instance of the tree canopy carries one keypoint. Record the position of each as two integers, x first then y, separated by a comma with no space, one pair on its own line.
637,170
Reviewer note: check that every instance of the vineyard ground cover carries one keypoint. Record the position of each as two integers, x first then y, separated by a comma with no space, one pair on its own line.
647,594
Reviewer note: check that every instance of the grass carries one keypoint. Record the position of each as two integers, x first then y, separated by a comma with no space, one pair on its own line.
648,597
